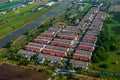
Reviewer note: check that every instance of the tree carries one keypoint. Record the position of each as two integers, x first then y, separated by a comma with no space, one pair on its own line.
24,62
47,70
80,70
95,58
70,75
66,17
71,66
104,66
46,62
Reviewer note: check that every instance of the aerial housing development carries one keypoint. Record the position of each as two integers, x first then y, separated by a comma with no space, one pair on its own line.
58,41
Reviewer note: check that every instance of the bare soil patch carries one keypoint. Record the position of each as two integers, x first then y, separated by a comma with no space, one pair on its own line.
9,72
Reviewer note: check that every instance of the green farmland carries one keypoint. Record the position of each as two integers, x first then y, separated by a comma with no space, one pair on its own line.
7,5
14,20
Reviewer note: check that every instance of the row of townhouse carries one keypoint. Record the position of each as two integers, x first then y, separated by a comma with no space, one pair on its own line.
49,45
59,46
87,45
55,43
42,39
27,54
55,50
35,47
84,50
87,18
62,42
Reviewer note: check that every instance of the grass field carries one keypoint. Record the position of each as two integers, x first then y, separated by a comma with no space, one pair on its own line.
6,5
86,8
113,61
16,12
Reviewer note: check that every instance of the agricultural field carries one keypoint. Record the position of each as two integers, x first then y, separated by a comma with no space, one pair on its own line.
14,20
7,5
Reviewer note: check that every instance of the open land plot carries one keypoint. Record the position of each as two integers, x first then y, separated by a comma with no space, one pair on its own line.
9,72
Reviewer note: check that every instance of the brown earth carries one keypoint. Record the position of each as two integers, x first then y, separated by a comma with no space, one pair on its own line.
9,72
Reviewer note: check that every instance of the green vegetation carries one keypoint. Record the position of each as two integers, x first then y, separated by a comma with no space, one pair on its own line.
65,76
86,8
24,62
1,58
108,1
17,12
6,5
9,23
47,70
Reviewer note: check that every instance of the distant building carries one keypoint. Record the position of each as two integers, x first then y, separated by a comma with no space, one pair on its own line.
36,1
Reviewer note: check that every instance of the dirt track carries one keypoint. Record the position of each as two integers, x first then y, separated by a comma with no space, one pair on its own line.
9,72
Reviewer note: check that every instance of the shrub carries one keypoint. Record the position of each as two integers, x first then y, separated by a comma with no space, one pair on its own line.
104,66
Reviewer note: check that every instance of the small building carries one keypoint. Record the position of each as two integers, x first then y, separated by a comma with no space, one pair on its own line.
71,29
50,3
67,35
81,54
89,40
62,42
86,46
49,33
27,54
52,59
81,25
56,28
42,39
55,50
34,47
77,64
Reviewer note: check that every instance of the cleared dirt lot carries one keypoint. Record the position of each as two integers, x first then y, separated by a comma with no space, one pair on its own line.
9,72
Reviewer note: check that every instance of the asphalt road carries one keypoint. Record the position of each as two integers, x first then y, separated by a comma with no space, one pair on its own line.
54,12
